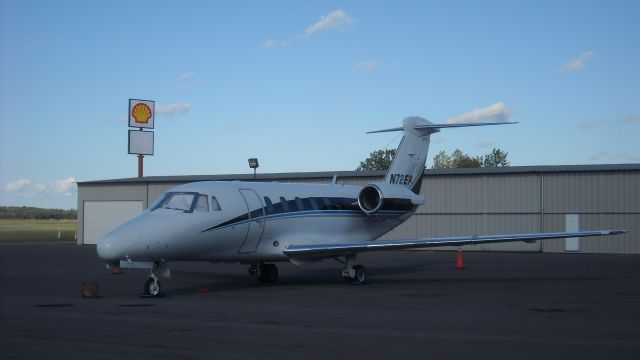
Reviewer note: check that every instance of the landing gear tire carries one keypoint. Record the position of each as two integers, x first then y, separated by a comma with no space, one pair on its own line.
152,287
359,275
268,273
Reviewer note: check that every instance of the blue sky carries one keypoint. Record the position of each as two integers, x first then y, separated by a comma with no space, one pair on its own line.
297,84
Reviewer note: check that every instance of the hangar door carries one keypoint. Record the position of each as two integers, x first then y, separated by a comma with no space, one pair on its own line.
102,216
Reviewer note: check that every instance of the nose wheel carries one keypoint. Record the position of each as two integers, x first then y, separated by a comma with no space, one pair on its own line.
152,287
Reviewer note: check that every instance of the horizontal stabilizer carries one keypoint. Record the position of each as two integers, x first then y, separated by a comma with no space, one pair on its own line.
331,250
440,126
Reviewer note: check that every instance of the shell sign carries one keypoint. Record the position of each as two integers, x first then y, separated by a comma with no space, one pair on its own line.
141,113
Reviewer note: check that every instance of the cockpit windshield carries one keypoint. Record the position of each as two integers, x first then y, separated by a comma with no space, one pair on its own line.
182,201
179,201
186,202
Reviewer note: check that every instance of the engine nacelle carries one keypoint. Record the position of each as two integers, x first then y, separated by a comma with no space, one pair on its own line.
382,196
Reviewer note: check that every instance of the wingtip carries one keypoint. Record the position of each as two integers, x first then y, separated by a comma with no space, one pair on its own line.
614,232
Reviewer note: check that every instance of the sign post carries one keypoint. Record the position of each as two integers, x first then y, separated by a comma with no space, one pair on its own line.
140,166
141,115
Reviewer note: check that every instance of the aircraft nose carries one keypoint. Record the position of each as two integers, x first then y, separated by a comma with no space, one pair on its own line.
107,248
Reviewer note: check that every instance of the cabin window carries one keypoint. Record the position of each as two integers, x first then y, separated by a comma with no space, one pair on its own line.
306,204
202,205
215,205
299,204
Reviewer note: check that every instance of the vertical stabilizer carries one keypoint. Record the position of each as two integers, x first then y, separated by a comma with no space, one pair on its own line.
407,167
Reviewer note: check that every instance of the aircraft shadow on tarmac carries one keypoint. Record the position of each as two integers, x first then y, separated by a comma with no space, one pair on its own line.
391,276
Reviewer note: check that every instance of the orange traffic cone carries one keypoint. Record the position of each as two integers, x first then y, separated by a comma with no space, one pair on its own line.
460,260
117,271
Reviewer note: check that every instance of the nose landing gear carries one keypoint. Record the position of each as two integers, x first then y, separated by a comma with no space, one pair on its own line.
152,286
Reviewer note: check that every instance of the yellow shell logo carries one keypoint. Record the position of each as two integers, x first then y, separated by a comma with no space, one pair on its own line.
141,112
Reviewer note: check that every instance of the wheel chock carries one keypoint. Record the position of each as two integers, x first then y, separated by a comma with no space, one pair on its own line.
90,290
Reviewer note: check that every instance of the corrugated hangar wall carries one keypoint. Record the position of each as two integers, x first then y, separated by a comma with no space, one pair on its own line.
467,201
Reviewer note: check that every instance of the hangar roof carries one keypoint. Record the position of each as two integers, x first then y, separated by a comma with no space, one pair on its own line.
342,174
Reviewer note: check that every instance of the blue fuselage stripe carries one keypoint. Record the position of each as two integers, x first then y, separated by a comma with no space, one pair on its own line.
306,214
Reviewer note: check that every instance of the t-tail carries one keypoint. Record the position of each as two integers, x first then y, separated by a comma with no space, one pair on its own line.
401,186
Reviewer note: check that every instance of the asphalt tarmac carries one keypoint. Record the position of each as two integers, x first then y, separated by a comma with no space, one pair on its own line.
503,305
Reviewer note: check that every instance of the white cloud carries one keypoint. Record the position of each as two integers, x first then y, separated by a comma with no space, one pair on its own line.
335,20
63,186
186,75
366,66
274,44
188,80
579,62
24,187
267,44
40,187
173,109
17,186
498,112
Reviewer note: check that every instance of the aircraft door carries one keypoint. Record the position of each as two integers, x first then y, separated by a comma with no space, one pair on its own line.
256,221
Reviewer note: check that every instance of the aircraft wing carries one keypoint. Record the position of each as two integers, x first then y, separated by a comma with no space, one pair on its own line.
331,250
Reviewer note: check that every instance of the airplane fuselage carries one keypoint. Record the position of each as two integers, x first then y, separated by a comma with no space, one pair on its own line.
246,222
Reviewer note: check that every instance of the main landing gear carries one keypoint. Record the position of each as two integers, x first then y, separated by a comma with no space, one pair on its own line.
265,273
353,273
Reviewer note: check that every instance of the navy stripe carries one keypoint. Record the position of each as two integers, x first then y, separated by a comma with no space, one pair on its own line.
329,213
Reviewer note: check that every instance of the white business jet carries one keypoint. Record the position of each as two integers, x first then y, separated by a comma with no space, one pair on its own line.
259,223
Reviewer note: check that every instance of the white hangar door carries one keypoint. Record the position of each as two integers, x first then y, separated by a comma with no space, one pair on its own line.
102,216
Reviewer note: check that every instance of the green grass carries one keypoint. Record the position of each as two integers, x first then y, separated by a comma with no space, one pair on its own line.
37,230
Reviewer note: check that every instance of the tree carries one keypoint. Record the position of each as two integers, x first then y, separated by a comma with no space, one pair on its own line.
496,158
378,160
458,159
381,160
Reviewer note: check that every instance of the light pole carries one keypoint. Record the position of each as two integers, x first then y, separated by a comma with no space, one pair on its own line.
253,163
